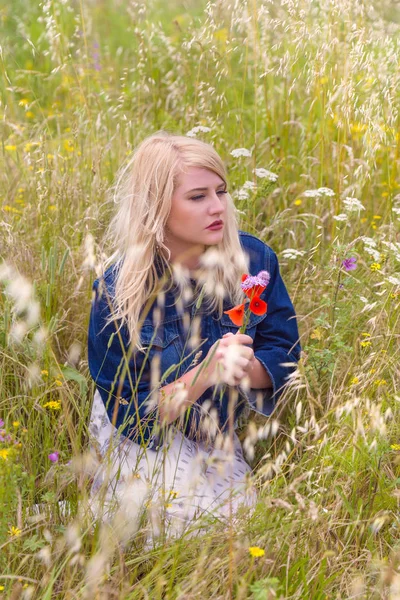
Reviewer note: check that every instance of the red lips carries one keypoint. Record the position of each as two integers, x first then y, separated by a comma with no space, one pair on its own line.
215,223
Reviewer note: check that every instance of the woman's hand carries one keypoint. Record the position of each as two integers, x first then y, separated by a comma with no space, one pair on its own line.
230,359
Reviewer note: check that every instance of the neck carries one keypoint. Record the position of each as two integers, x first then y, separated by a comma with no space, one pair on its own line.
187,257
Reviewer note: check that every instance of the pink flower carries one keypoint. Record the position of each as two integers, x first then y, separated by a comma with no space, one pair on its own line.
53,456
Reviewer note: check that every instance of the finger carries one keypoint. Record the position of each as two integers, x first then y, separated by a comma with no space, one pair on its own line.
242,362
243,338
247,352
227,334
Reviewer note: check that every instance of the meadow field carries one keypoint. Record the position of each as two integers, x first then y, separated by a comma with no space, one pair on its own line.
307,90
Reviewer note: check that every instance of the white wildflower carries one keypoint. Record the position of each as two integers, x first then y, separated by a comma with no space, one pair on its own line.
312,194
395,280
374,253
241,152
198,129
352,204
325,191
368,241
322,191
341,217
242,194
265,174
249,185
292,253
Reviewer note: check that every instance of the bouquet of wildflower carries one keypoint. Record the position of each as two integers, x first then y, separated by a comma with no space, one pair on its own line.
253,287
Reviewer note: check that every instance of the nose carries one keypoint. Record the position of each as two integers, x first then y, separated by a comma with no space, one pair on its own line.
217,205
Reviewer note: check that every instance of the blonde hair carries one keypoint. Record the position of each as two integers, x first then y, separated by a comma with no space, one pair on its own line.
142,192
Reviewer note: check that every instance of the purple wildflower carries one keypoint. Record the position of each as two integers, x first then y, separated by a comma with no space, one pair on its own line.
96,57
349,264
262,279
53,456
1,423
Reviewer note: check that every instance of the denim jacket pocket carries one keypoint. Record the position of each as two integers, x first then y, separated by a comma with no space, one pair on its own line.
227,325
162,342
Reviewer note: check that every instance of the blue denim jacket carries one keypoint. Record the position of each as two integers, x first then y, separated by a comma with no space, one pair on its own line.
276,342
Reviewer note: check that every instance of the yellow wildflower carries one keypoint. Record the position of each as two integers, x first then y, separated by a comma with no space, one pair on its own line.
298,202
11,209
23,102
58,382
169,505
395,446
375,267
354,381
372,371
69,146
53,405
358,127
14,531
377,217
50,156
16,424
366,334
4,453
2,588
10,147
317,334
256,551
365,344
52,207
28,147
29,114
44,372
380,382
385,194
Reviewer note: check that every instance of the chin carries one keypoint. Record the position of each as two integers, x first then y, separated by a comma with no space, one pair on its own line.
215,239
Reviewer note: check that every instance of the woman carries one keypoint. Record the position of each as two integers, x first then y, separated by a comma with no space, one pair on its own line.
173,373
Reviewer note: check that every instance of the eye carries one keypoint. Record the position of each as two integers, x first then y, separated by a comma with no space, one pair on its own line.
203,196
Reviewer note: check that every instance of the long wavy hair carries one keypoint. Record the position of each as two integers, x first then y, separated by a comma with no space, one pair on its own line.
143,190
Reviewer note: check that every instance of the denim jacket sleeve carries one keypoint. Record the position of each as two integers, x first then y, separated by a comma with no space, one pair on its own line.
111,364
276,340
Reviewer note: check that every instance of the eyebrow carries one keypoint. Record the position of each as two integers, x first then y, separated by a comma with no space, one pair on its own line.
204,189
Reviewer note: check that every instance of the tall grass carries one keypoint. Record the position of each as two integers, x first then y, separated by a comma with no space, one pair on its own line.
311,89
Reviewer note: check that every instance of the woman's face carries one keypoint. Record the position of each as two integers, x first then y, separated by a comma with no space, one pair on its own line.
198,201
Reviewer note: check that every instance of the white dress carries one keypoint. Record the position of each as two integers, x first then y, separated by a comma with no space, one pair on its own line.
169,487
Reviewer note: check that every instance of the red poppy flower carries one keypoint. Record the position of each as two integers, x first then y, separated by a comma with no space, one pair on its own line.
258,306
257,290
236,314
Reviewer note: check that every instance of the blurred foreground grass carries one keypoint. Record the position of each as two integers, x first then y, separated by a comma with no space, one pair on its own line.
311,89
